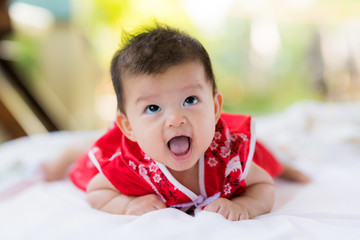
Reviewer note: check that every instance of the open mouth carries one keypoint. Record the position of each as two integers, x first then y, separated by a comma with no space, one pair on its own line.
179,145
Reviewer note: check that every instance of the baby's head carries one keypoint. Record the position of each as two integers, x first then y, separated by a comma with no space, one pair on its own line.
167,97
153,51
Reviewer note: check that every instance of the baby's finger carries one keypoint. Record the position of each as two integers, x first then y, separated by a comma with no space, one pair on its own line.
212,208
234,216
224,211
244,216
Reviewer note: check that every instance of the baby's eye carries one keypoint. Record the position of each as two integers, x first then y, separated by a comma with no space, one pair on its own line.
190,101
152,109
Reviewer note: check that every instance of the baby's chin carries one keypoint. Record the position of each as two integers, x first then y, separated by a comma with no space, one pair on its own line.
184,165
181,169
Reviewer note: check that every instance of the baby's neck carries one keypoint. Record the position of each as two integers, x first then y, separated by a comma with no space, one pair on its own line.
188,178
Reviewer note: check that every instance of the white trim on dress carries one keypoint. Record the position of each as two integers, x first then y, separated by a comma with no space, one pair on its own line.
94,160
202,176
251,150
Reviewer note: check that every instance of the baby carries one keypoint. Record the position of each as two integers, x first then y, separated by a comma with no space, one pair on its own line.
171,145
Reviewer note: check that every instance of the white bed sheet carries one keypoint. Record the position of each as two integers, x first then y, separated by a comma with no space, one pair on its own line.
321,139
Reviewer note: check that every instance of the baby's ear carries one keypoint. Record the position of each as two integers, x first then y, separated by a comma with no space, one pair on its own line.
218,102
124,125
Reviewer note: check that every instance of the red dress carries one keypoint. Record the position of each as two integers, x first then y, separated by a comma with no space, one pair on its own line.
222,168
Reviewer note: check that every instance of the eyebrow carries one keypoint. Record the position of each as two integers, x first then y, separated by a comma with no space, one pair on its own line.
190,86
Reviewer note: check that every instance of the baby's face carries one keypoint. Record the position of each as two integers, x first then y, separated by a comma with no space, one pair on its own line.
172,115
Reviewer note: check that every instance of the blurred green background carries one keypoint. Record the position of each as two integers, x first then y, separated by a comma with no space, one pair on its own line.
266,54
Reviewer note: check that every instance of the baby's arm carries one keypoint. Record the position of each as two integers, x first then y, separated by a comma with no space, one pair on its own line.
102,195
258,198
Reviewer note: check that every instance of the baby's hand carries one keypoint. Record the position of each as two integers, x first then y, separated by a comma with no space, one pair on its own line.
228,209
144,204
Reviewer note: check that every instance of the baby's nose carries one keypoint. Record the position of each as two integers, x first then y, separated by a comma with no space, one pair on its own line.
175,119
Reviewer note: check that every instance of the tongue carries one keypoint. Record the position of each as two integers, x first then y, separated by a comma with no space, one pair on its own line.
179,145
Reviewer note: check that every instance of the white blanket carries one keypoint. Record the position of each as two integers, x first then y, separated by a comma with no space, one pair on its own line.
321,139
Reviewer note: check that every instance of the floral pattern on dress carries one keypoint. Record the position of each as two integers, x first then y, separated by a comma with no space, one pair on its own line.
157,178
212,162
132,165
143,170
229,153
153,167
227,189
213,145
